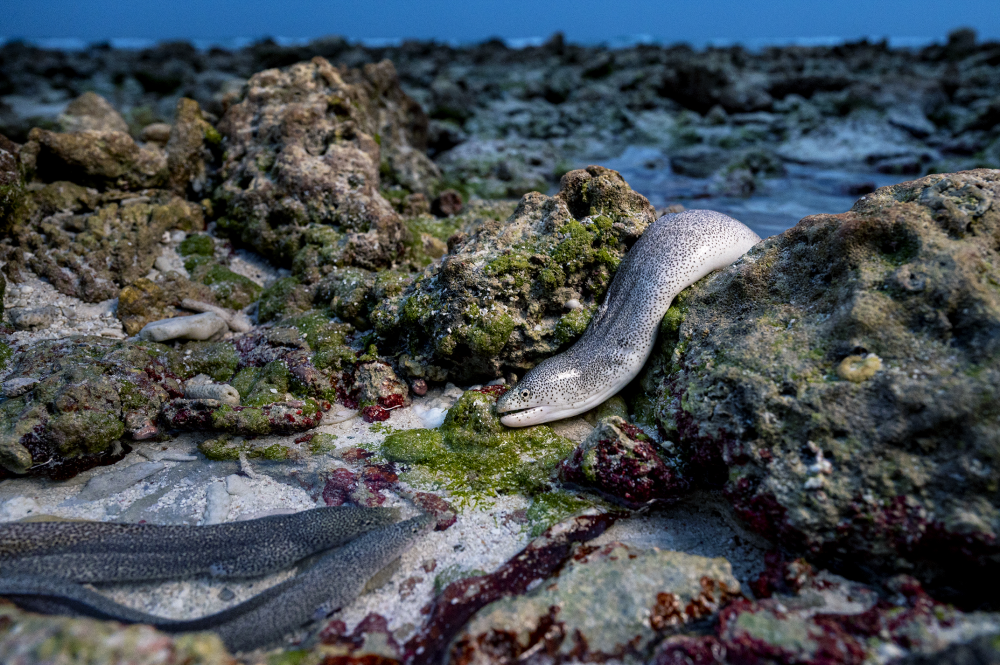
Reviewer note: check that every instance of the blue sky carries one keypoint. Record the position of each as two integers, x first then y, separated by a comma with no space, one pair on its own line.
589,21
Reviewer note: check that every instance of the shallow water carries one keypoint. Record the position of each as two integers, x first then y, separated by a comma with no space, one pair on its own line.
776,206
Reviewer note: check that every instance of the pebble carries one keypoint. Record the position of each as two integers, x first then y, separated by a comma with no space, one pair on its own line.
217,503
419,387
197,327
116,481
237,486
31,319
572,304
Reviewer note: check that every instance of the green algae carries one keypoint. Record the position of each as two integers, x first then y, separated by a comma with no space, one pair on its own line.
550,508
230,289
198,244
277,299
259,386
571,325
225,448
326,338
216,359
322,443
474,456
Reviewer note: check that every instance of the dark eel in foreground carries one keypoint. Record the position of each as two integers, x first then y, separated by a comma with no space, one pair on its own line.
674,252
368,544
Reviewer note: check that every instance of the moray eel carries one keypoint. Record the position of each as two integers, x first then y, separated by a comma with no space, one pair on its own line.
333,580
675,251
109,552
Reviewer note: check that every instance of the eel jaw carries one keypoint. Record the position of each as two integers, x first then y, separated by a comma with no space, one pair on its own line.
537,415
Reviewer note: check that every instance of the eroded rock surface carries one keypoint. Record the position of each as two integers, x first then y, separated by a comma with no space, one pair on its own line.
304,149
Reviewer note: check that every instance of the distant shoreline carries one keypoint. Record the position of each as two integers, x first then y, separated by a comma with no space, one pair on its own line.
515,43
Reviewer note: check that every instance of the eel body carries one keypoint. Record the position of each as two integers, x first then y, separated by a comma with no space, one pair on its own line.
333,580
109,552
674,252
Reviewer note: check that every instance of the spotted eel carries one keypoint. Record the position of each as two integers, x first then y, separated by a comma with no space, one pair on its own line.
369,543
675,251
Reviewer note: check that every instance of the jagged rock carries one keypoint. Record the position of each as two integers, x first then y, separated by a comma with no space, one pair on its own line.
378,384
619,460
495,303
842,379
89,245
90,111
303,158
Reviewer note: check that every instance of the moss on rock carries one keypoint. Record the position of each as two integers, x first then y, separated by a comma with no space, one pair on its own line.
474,456
494,303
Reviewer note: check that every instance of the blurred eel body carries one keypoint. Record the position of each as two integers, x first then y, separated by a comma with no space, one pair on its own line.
364,541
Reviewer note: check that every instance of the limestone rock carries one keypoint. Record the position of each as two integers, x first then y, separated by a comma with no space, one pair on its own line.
303,159
90,111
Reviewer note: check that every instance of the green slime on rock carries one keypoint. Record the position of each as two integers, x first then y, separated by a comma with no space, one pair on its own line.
474,457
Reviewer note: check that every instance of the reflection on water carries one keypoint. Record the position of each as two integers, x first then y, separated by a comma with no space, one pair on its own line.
778,204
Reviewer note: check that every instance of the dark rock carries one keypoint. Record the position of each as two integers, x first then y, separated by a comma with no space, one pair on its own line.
85,394
829,376
617,459
447,203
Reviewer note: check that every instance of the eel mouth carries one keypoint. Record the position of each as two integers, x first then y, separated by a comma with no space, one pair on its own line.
524,417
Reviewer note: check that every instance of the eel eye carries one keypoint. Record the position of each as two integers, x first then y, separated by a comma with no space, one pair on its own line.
525,394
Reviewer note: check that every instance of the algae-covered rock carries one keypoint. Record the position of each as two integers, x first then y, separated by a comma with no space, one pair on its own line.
612,603
144,300
26,637
809,617
96,158
304,151
11,182
846,373
89,245
495,302
277,417
88,393
473,455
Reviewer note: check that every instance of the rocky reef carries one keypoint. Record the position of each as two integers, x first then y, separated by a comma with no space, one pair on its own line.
236,283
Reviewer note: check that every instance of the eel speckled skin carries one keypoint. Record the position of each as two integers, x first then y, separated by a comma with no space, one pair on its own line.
675,251
333,580
109,552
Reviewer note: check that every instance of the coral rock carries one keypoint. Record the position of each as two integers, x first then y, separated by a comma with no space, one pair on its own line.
199,327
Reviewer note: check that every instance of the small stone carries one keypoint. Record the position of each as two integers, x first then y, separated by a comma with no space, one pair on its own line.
419,387
32,319
17,387
447,203
572,304
217,504
197,327
91,111
158,133
226,594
